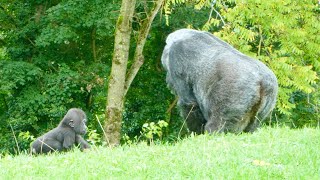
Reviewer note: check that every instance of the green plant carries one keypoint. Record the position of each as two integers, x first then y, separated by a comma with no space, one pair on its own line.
94,138
153,130
24,139
126,140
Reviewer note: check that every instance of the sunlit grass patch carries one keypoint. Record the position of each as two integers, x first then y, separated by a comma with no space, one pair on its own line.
270,153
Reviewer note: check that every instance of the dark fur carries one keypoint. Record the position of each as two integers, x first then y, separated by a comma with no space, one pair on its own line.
63,137
219,88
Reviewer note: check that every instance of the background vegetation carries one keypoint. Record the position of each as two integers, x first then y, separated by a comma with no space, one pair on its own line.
55,55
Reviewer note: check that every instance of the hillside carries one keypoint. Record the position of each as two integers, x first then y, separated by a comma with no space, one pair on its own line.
270,153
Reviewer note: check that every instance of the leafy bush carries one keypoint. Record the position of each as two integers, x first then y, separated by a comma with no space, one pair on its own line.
152,130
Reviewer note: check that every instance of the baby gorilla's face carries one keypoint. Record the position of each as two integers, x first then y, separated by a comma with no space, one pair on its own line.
83,129
79,123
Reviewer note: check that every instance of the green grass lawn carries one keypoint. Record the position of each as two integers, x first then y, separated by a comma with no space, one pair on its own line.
269,153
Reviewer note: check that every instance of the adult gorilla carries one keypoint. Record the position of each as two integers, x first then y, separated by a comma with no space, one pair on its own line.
63,137
219,88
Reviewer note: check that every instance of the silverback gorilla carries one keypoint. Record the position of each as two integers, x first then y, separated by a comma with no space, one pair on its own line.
219,88
63,137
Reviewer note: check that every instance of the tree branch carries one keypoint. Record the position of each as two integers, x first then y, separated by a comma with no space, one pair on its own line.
93,44
138,59
172,105
260,42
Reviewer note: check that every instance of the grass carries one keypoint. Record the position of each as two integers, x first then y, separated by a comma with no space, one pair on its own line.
270,153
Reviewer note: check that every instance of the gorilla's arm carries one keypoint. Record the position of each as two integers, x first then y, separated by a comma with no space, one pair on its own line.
47,143
68,141
83,143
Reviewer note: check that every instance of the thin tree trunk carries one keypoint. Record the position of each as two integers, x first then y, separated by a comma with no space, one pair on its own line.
93,44
39,11
138,55
118,72
119,82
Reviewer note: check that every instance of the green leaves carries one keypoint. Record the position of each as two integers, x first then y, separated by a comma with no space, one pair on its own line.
56,35
66,21
152,130
15,75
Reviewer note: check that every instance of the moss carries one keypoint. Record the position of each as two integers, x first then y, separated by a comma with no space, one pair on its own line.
120,19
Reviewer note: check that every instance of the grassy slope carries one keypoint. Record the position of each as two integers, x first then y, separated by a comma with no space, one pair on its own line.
266,154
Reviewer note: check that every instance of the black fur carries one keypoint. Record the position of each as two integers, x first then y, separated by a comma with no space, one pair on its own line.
219,88
63,137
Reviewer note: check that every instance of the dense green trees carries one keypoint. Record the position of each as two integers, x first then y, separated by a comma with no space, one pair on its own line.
57,54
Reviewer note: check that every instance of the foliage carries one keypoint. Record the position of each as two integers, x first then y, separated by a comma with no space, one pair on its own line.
152,130
270,153
51,59
25,139
69,46
79,37
94,138
307,111
16,75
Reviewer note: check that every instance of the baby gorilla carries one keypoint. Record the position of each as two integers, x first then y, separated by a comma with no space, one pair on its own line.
63,137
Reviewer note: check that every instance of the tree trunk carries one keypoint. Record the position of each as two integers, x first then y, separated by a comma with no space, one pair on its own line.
118,72
138,59
93,44
119,82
